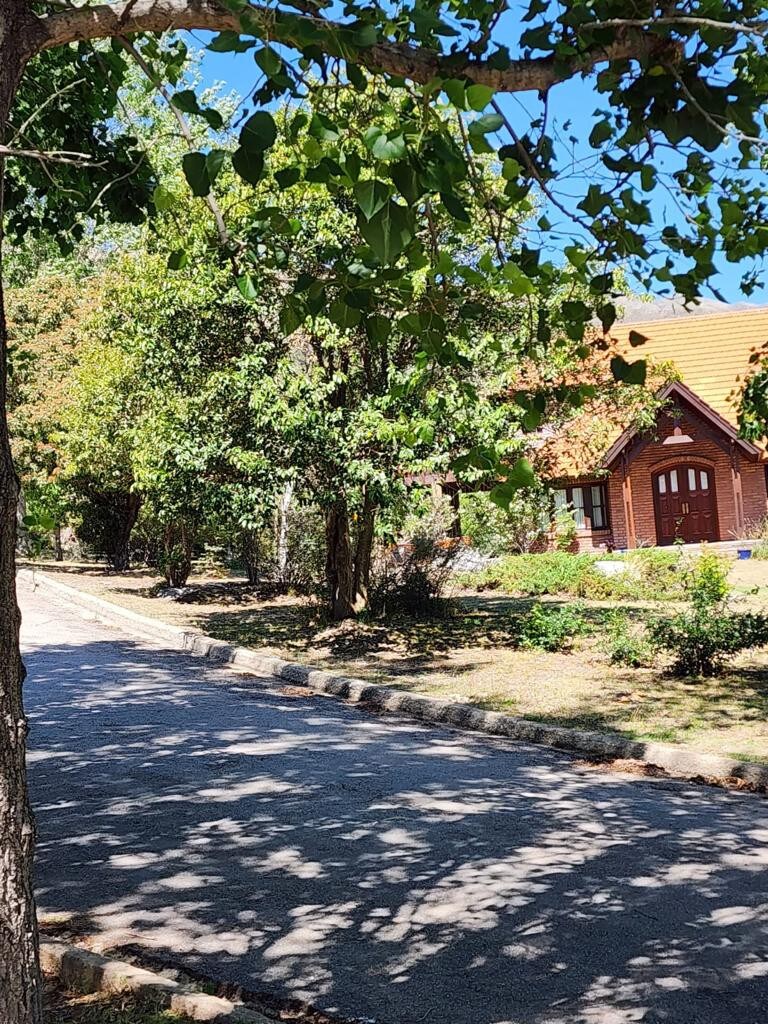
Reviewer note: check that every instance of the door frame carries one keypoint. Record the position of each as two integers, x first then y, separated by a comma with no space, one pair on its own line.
679,464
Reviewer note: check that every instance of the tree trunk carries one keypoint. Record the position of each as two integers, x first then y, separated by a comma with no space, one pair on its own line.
177,566
120,558
57,547
363,552
339,568
282,531
20,989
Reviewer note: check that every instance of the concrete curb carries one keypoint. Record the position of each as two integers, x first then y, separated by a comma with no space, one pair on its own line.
675,760
87,972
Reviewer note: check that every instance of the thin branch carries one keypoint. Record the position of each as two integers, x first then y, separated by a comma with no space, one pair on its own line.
753,28
46,103
53,156
183,123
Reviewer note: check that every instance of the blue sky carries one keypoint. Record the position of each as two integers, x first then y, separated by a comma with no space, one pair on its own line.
573,101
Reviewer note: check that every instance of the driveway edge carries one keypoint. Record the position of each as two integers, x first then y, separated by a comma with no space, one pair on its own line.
86,972
675,760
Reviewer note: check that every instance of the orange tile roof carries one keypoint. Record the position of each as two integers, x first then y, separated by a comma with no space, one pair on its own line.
711,353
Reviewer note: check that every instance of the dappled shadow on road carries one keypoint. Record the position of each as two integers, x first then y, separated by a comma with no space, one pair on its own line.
381,869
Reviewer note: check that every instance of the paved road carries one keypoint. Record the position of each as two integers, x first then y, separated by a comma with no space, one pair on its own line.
377,868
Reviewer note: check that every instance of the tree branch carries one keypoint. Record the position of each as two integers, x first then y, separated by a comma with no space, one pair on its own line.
416,63
54,156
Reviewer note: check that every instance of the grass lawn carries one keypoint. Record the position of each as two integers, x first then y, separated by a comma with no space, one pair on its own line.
468,656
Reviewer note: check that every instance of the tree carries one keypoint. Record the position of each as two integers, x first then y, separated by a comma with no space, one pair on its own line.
675,85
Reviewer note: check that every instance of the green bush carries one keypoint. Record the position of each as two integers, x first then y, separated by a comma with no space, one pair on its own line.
702,638
626,642
496,531
555,572
760,551
547,628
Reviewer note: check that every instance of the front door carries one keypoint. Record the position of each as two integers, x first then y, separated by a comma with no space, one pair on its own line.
685,504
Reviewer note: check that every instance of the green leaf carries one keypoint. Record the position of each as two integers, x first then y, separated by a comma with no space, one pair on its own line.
287,177
259,132
196,173
269,61
521,475
629,373
455,207
479,96
229,42
382,146
247,288
344,316
388,232
323,128
250,166
185,100
214,162
178,260
378,328
519,283
636,338
456,91
291,317
371,196
164,199
485,124
601,132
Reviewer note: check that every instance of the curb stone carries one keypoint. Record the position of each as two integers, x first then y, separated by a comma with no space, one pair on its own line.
675,760
85,971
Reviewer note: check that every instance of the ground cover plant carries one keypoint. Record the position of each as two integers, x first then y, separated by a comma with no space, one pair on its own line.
651,574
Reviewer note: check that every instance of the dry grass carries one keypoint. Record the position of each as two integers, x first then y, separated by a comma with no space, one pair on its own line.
64,1007
469,656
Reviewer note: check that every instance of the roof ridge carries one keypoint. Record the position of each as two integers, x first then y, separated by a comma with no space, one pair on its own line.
703,316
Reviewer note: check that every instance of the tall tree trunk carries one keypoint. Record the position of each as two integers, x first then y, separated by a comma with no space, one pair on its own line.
57,546
20,989
282,531
363,552
339,568
120,558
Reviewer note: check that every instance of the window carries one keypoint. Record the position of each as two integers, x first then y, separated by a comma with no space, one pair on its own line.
662,484
673,481
691,479
588,505
704,478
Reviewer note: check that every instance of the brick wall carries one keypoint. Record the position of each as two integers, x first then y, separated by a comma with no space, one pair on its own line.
704,452
745,501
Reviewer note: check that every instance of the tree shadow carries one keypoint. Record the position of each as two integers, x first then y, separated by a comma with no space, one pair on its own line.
375,867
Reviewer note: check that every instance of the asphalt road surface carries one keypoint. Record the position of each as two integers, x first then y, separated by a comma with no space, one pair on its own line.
380,869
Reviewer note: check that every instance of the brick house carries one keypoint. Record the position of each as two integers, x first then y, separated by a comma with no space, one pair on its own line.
690,477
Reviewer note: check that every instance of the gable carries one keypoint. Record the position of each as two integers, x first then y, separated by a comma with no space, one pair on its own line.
685,416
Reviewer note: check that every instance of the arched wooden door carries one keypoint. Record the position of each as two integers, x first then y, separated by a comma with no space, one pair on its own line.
685,504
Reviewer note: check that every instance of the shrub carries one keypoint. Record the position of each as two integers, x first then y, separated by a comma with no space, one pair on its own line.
760,551
412,578
704,637
547,628
626,642
554,572
701,640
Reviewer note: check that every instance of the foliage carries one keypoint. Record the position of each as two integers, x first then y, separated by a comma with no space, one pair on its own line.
626,641
500,531
703,637
552,572
412,578
549,628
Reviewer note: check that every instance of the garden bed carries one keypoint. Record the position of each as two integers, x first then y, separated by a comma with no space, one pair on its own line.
470,655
